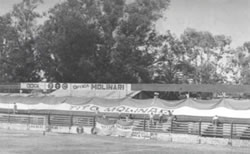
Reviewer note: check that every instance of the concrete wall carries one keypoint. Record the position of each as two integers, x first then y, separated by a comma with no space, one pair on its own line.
194,139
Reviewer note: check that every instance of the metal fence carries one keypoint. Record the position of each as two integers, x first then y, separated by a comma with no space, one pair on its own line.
206,129
199,128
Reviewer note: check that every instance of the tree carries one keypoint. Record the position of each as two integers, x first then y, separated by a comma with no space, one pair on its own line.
205,52
7,37
240,64
99,41
18,50
170,65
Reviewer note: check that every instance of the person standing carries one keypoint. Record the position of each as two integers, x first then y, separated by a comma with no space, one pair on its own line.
215,120
97,112
15,108
104,116
131,117
127,118
161,114
151,118
119,115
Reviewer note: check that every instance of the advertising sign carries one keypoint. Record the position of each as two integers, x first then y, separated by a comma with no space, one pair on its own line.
141,135
113,87
117,109
80,86
124,128
44,85
33,85
54,86
104,126
76,86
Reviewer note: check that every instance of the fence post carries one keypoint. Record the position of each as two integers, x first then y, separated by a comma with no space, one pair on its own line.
71,120
48,121
171,125
231,131
144,123
9,121
8,118
200,128
28,122
94,121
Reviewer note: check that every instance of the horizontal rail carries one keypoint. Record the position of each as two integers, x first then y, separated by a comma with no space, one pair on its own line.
207,129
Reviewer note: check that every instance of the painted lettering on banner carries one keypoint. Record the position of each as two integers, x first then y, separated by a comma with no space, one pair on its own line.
75,86
32,85
117,109
56,86
140,135
118,87
80,86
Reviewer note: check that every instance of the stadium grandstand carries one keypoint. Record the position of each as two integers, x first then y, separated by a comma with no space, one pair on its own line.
124,109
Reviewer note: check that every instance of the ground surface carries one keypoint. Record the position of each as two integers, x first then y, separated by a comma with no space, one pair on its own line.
23,142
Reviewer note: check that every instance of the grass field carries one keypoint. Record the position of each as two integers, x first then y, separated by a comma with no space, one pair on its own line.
24,142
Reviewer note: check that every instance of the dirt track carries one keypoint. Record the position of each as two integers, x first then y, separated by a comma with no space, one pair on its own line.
22,142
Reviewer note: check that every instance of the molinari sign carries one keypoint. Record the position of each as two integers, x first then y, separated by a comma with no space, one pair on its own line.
76,86
120,87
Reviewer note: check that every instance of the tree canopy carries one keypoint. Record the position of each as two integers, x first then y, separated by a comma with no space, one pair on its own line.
112,41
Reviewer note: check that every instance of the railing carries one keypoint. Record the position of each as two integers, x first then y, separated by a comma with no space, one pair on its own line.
206,129
200,128
23,122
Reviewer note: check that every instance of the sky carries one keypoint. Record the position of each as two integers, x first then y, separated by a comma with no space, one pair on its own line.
228,17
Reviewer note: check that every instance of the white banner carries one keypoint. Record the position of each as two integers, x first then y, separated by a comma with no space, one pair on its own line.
54,86
114,87
76,86
44,85
80,86
87,107
117,109
221,112
33,85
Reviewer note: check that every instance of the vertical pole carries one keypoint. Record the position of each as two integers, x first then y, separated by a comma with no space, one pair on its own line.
28,121
94,121
8,118
231,132
200,128
144,123
48,120
171,125
71,121
231,135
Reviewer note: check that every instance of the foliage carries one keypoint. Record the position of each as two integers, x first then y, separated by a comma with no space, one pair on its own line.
18,54
113,41
205,52
170,65
99,41
240,64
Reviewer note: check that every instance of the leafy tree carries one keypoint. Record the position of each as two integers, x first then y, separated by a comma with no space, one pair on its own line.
99,41
18,54
240,64
68,43
7,37
170,65
205,52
